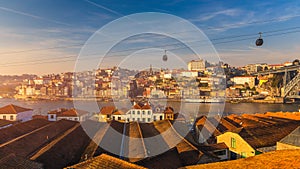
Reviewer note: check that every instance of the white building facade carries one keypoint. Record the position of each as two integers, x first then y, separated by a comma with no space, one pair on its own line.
142,114
72,114
15,113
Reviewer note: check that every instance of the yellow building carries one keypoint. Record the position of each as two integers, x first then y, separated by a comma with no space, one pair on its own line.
250,141
239,148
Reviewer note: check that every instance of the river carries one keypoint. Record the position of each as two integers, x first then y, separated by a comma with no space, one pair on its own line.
43,106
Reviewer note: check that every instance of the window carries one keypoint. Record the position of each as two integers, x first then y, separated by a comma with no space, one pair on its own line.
52,116
138,112
76,119
138,119
133,112
119,118
11,117
149,113
144,120
154,118
160,117
143,112
243,155
233,143
4,117
149,119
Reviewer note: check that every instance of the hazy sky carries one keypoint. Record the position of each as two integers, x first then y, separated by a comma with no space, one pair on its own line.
46,36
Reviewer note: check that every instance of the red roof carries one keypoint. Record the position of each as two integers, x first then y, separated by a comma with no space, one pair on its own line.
13,109
107,110
146,106
72,113
136,106
39,117
169,110
118,113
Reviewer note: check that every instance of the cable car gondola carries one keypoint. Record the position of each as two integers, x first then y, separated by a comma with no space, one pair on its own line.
259,41
165,57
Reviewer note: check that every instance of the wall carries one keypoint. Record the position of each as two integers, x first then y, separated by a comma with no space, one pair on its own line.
224,156
68,118
283,146
51,119
241,144
25,116
7,117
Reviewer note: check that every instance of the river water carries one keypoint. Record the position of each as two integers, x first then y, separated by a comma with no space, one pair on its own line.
43,106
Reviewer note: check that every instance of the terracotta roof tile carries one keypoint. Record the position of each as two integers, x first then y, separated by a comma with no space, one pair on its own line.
274,159
146,106
105,161
136,106
119,112
12,109
5,123
107,110
266,136
12,161
73,113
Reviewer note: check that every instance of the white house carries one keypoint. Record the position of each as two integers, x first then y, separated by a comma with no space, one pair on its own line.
143,113
71,114
15,113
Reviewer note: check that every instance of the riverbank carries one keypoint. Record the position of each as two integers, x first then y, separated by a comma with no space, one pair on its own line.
277,100
43,106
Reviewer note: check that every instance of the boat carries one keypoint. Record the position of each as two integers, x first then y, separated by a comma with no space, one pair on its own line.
194,100
214,100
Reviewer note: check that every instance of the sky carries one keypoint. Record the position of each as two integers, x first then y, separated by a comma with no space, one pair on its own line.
42,37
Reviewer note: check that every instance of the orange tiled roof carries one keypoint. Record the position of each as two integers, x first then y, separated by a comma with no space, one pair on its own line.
107,110
39,117
136,106
12,109
119,112
146,106
169,111
72,113
106,161
274,159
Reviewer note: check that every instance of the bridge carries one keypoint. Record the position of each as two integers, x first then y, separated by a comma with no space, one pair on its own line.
292,88
291,80
280,70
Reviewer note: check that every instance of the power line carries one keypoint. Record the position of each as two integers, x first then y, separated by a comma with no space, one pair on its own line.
63,59
81,44
253,22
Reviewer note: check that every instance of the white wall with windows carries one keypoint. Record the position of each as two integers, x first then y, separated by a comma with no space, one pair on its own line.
22,116
143,115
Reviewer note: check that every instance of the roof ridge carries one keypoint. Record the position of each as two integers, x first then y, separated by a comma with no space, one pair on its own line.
142,138
13,108
182,137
